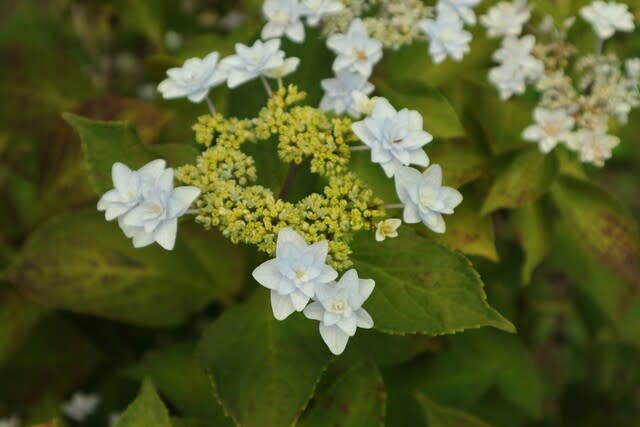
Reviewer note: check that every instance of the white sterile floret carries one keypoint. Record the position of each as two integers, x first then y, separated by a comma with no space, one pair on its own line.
338,307
338,93
155,218
363,103
114,417
464,9
550,128
355,49
608,17
128,187
632,68
80,406
283,18
387,228
315,10
506,19
294,273
424,197
252,62
288,66
593,145
517,66
13,421
395,137
194,79
446,34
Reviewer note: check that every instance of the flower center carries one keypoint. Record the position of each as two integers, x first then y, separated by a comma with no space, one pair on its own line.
551,129
299,274
361,55
338,306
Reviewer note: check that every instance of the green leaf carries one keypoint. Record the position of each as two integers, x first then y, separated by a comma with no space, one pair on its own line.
422,287
264,370
82,263
462,160
502,122
105,143
468,231
477,361
147,410
602,224
442,416
356,398
534,231
524,179
30,102
440,119
184,383
17,317
146,17
55,359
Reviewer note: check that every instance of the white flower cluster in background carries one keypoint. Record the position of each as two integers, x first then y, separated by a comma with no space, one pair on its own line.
299,274
146,204
285,17
579,95
13,421
80,406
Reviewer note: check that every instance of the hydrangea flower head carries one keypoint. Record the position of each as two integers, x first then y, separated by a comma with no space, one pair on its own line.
608,17
550,128
194,79
252,62
283,18
128,187
338,93
338,307
355,49
447,36
295,272
395,137
80,406
315,10
506,18
424,197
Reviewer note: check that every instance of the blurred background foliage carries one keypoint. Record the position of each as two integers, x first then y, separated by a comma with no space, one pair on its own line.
555,243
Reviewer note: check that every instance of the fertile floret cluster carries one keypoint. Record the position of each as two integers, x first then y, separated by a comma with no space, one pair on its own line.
579,95
250,213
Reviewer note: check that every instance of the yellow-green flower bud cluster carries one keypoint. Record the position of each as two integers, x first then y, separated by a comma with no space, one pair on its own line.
249,213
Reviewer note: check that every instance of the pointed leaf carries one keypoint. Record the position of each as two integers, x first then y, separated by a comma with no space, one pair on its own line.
356,398
442,416
601,223
264,370
422,287
147,410
525,178
534,230
82,263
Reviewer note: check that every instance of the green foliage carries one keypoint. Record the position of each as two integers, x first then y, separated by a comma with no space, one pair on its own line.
109,277
422,287
525,313
525,178
146,410
356,398
602,224
280,365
